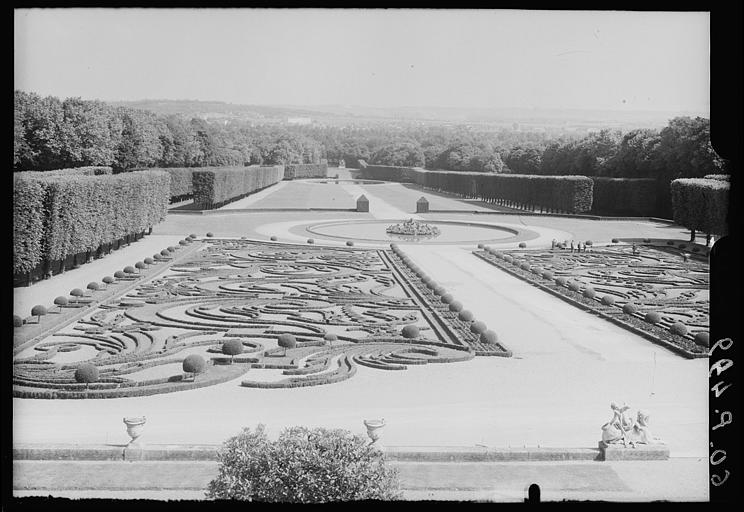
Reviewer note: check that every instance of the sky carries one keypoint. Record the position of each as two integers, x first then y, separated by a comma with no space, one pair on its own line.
603,60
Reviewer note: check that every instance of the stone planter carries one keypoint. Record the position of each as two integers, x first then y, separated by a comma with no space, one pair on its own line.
374,431
135,425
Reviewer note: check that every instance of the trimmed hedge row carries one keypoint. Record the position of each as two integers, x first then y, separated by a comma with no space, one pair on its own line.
76,171
297,171
700,204
215,187
572,194
181,184
624,196
56,216
720,177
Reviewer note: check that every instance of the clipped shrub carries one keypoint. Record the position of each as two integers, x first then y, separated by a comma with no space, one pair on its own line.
439,290
350,243
447,298
119,274
194,364
702,339
478,327
574,286
129,269
171,249
455,306
182,242
608,300
61,301
547,274
302,466
286,341
149,261
630,308
589,292
652,317
77,292
310,241
140,265
480,246
273,239
86,373
615,241
588,242
192,235
165,252
525,266
17,321
489,337
508,258
298,171
465,315
217,186
561,281
701,204
522,245
93,286
678,328
210,234
410,331
232,348
330,338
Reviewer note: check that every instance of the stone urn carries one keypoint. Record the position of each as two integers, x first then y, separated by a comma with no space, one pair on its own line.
374,431
135,425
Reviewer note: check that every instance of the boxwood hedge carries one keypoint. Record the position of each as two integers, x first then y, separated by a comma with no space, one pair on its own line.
215,187
56,215
700,204
295,171
624,196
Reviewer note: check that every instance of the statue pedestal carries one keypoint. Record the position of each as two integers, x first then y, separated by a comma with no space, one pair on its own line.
640,452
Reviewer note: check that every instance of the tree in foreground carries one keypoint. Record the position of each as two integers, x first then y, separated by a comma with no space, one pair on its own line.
302,466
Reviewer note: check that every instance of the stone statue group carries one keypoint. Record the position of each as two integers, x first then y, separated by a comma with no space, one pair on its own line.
622,429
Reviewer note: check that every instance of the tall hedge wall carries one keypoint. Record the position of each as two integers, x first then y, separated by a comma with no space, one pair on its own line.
81,171
624,196
57,215
215,187
571,194
181,184
701,204
298,171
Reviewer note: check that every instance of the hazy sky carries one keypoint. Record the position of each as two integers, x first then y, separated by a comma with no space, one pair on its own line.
500,58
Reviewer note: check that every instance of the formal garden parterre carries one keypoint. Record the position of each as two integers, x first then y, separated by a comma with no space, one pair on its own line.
311,314
659,292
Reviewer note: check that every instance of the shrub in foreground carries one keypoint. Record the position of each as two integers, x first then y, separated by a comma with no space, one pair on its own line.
302,466
702,339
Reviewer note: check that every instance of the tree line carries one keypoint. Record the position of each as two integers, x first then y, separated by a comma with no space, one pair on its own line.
50,133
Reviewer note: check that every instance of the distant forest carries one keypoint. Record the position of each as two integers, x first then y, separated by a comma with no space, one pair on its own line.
50,133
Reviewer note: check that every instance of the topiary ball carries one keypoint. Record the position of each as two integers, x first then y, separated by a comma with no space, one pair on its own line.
350,243
192,235
439,290
480,246
702,339
330,337
525,266
93,286
615,241
77,292
588,242
447,298
630,308
608,300
140,265
508,258
38,310
455,306
182,242
210,234
119,274
310,241
678,328
410,331
652,317
489,337
429,282
108,279
287,341
588,292
164,252
522,245
232,347
61,301
536,270
273,239
547,274
574,286
129,269
17,321
194,364
86,373
478,327
149,261
465,315
172,249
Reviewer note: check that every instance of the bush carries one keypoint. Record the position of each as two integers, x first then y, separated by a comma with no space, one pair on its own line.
149,261
455,306
350,243
589,292
478,327
310,241
232,348
700,204
439,290
286,341
273,239
302,466
194,364
165,252
653,317
410,331
561,281
192,235
702,339
129,269
61,301
630,308
547,274
465,315
615,241
508,258
678,328
140,265
181,182
93,286
608,300
330,338
86,373
588,242
480,246
574,286
214,187
182,242
119,274
447,298
210,234
525,266
171,249
522,245
721,177
77,292
17,321
489,338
